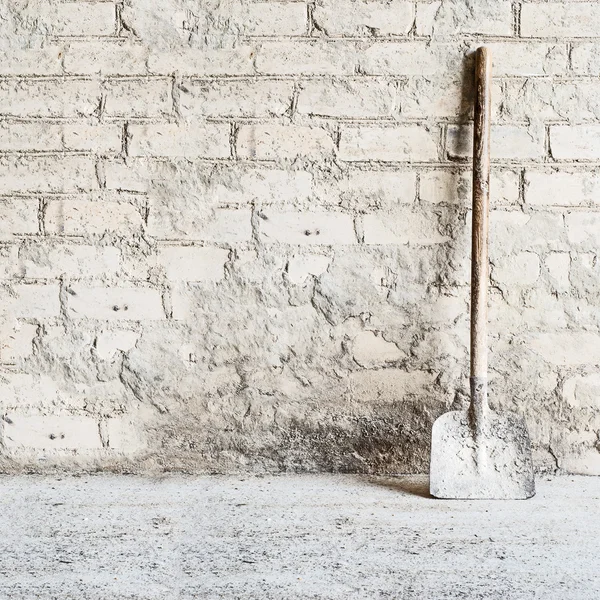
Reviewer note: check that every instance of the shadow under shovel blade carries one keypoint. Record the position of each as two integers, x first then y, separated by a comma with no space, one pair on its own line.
493,464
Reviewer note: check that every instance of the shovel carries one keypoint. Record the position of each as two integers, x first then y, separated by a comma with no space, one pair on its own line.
477,453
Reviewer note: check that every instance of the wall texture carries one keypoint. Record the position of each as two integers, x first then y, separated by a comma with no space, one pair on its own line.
235,234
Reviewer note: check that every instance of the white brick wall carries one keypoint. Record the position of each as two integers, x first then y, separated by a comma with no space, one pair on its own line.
235,224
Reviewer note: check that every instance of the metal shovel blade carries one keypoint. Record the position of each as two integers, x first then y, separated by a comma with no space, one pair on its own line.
493,463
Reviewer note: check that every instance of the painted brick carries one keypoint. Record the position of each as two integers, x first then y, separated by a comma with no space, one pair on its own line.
361,189
47,174
51,432
401,143
307,228
558,265
410,58
461,18
42,261
560,19
527,58
522,269
138,98
454,187
426,97
567,348
585,58
271,142
300,266
306,58
583,228
30,301
349,18
79,18
221,225
269,18
102,58
100,139
42,61
18,216
257,98
16,342
190,141
385,386
200,62
30,136
127,176
582,391
81,217
509,142
402,226
578,142
49,98
111,341
351,99
193,263
558,188
112,303
124,435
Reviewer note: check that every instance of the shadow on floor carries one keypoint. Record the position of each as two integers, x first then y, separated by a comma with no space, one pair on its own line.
415,485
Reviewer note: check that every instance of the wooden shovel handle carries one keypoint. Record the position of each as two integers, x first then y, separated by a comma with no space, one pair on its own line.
481,202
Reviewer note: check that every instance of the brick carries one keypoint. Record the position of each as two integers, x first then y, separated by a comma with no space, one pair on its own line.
567,348
402,226
455,187
269,18
410,58
360,189
521,269
307,228
257,98
582,391
200,62
101,139
230,186
125,434
138,98
47,174
49,98
30,301
558,265
30,136
79,18
386,386
425,98
105,58
578,142
558,19
42,61
16,342
18,217
306,58
128,176
401,143
350,18
81,217
583,228
371,350
351,99
111,341
272,142
193,263
112,303
559,188
509,142
43,261
527,58
585,58
51,432
461,18
190,141
300,266
221,225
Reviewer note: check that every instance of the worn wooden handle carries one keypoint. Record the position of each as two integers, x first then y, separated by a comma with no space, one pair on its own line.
481,202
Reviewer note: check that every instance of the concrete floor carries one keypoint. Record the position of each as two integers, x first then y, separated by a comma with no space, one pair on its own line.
343,537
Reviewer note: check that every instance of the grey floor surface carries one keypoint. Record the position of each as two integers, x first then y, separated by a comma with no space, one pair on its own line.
310,536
